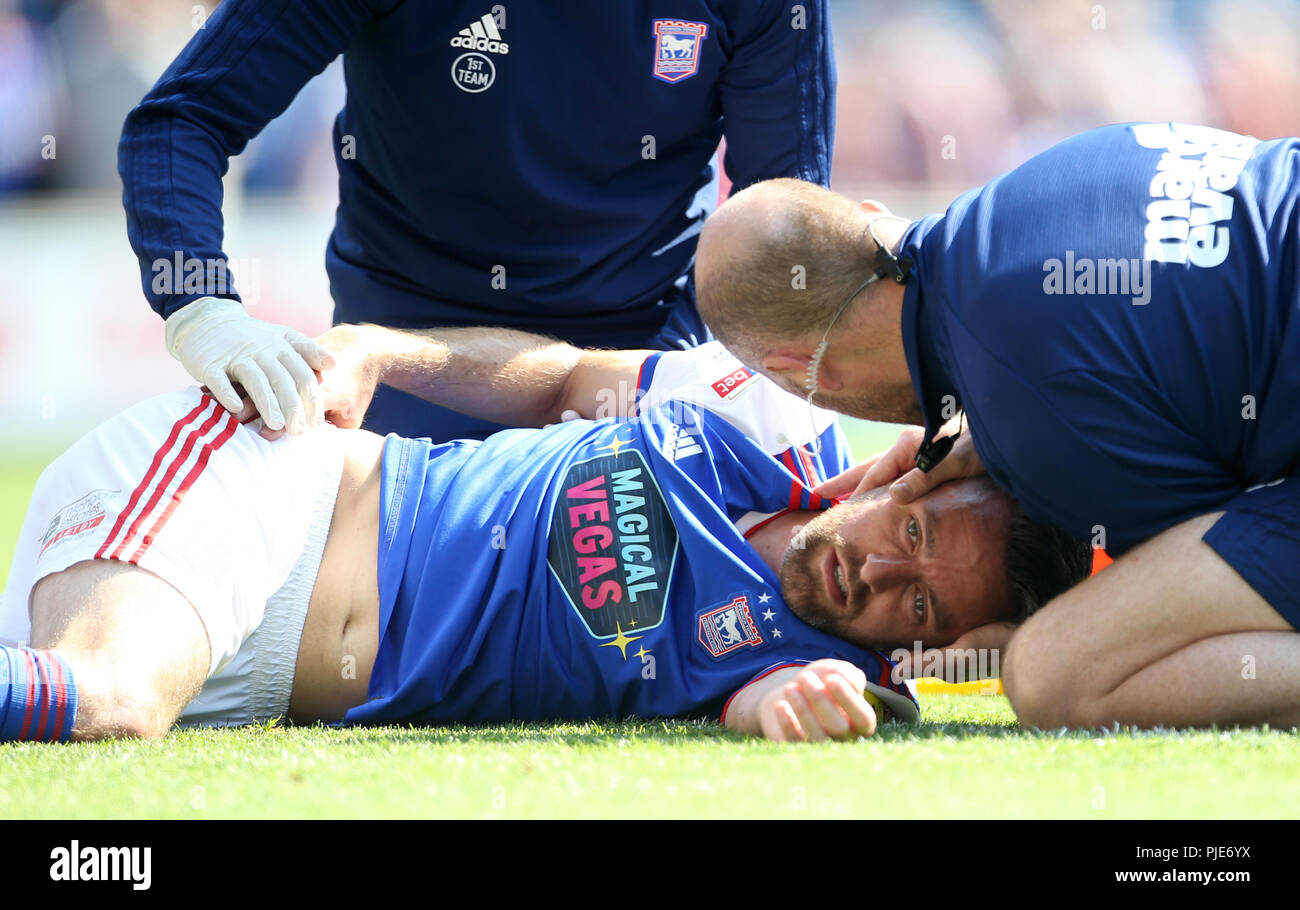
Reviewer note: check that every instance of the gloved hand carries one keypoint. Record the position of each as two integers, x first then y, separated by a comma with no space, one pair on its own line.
219,343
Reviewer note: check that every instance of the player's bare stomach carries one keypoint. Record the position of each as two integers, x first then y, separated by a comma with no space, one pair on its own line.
341,634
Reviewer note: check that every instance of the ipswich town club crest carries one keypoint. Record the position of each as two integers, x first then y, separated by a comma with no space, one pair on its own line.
728,627
677,48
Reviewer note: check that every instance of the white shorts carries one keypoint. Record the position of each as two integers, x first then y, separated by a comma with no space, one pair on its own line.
235,523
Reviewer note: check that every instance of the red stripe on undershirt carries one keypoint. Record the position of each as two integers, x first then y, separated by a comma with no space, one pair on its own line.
787,459
806,457
194,437
208,448
815,501
149,475
796,488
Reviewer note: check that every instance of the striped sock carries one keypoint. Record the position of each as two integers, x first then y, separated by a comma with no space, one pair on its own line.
38,696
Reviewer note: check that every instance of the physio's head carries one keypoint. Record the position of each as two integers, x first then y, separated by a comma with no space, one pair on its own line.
777,260
773,267
881,575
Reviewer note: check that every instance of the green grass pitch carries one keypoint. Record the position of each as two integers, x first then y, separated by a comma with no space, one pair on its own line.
968,759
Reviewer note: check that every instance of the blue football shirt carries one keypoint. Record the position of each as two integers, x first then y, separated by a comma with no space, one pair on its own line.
599,568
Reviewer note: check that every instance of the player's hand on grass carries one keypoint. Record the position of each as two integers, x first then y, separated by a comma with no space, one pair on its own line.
348,387
897,467
951,663
823,700
221,345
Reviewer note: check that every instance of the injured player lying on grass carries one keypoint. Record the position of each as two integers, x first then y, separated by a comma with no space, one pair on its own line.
669,559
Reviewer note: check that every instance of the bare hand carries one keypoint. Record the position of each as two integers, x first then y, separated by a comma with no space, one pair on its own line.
950,663
897,467
824,701
882,468
348,387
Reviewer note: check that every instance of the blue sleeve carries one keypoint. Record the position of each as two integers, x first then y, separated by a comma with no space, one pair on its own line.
778,94
239,72
737,473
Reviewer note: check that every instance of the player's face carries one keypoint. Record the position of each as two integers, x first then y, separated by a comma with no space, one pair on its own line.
881,575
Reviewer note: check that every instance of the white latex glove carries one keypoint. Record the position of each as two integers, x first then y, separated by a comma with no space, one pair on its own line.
219,343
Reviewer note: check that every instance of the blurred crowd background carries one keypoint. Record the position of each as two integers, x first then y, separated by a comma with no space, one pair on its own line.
1002,78
935,96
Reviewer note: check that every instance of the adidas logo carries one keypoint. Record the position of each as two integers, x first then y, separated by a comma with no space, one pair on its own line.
481,35
679,444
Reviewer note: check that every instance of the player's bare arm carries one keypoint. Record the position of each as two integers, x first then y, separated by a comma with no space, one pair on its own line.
507,376
1170,634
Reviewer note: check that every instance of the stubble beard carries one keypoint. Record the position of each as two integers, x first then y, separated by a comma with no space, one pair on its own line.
801,583
891,405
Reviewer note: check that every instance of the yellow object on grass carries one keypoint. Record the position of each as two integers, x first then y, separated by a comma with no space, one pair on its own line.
931,686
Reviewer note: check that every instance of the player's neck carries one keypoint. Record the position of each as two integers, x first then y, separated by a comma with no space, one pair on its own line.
773,538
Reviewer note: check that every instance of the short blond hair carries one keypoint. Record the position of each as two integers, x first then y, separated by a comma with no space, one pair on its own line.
779,263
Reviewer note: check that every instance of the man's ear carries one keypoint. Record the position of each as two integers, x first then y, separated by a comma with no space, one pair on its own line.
793,364
789,365
786,360
871,205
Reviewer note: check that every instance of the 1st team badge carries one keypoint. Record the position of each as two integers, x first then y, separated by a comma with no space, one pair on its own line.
677,48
